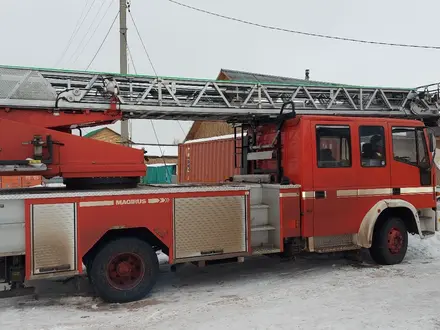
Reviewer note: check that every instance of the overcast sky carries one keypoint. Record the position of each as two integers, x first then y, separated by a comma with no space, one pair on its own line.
185,43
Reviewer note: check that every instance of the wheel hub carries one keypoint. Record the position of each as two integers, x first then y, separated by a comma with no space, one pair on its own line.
395,240
123,268
125,271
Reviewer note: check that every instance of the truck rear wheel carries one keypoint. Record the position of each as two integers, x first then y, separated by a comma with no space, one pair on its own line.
124,270
390,242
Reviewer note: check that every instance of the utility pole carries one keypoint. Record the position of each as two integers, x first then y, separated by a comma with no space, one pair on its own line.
123,60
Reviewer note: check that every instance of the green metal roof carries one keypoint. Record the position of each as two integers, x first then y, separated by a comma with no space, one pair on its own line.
235,75
240,81
93,133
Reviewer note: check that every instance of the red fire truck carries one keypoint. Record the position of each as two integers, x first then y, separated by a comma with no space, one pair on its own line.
323,169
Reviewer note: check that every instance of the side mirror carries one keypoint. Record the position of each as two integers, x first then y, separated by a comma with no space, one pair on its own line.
432,146
424,166
432,141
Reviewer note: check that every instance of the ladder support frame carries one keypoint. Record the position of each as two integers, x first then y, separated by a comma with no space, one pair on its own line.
142,97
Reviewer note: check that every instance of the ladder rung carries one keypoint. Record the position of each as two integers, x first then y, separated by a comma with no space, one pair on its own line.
265,171
258,250
263,228
261,155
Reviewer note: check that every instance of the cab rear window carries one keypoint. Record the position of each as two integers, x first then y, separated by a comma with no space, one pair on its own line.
333,146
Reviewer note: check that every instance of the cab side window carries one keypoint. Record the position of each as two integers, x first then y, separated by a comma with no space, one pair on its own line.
372,146
409,146
333,146
405,145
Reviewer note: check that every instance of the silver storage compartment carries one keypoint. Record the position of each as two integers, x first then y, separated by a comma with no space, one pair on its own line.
53,228
209,226
12,237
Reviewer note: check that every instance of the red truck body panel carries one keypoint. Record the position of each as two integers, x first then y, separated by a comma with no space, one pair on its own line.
73,156
94,216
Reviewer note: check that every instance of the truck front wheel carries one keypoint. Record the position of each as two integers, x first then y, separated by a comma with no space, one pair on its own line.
124,270
390,242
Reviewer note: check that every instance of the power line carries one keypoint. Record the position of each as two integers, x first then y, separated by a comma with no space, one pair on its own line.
155,72
142,41
79,23
181,128
88,30
159,144
74,32
94,31
152,144
305,33
151,62
103,41
131,56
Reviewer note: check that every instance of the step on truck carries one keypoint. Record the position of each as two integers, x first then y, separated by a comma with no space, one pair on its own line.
323,169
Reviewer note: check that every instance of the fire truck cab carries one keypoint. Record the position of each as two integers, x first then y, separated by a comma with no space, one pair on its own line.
364,181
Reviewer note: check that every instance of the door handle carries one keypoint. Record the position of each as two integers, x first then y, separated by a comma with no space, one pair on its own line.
320,194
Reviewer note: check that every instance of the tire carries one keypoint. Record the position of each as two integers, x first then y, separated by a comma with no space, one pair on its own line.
89,264
124,270
390,242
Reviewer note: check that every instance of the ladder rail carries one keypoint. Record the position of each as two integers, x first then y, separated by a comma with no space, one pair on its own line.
194,99
214,113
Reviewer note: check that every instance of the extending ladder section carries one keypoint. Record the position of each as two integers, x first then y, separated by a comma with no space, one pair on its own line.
194,99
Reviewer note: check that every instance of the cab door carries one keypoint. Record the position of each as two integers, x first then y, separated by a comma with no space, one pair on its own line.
374,172
333,176
374,178
411,177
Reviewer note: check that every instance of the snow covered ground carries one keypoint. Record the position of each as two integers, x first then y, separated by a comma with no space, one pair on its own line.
317,292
